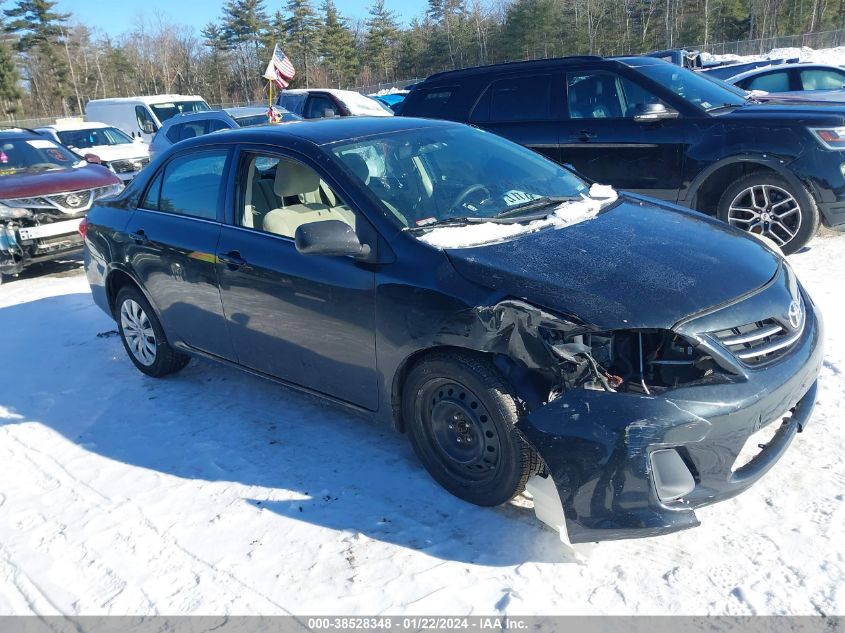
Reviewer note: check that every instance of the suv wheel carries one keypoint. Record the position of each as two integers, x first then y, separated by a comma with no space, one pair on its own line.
461,418
143,337
766,204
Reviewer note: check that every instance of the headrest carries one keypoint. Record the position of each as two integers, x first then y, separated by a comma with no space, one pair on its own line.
293,178
358,165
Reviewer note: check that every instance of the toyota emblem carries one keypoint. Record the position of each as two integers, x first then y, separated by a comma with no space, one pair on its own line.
794,314
73,200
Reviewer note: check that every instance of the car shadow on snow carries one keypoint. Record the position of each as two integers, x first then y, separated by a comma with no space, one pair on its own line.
320,464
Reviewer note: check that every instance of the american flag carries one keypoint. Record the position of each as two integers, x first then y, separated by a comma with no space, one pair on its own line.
280,70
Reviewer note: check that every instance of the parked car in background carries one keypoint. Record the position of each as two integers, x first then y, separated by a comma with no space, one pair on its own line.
192,124
614,355
320,103
726,69
801,80
115,149
392,100
141,117
45,190
645,125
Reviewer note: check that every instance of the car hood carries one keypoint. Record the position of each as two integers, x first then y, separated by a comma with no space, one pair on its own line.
117,152
55,181
792,110
637,265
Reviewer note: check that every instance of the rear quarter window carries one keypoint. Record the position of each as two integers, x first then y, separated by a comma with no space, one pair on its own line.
432,103
516,99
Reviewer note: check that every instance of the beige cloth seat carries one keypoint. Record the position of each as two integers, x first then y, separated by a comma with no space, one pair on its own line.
298,181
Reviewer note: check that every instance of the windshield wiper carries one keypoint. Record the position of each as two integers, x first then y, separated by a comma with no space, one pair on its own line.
726,105
464,221
544,201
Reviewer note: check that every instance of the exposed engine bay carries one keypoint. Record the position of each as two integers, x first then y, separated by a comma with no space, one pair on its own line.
640,361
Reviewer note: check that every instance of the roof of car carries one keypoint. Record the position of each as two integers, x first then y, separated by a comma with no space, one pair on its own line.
65,126
535,64
325,131
202,114
148,99
16,132
780,67
248,111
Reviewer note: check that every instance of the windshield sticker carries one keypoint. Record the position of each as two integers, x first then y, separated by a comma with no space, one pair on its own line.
56,154
41,144
426,221
515,196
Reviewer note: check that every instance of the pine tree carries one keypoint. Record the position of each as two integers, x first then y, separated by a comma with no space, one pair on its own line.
382,38
337,46
244,24
10,92
215,39
303,29
40,32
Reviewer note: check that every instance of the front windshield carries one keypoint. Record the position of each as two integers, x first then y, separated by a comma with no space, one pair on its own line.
164,111
34,154
94,137
432,175
691,86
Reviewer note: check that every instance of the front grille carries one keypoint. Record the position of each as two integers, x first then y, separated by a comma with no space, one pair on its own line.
126,166
760,342
73,201
70,203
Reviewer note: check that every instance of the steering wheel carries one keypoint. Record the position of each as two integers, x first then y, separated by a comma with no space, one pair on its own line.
461,197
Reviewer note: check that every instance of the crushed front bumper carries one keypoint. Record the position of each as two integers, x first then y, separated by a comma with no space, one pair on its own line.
598,446
18,250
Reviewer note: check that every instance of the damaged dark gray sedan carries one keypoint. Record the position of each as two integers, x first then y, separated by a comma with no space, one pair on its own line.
617,356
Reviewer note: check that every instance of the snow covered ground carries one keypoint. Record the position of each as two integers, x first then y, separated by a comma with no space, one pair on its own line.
214,492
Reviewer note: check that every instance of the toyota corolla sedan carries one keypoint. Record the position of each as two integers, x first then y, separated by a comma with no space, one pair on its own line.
626,360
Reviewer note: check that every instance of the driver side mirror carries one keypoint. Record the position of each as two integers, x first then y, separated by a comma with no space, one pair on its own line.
148,127
645,112
93,159
330,237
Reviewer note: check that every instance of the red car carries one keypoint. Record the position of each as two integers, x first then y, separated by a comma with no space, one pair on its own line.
45,190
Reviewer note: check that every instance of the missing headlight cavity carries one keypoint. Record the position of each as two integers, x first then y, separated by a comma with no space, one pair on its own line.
639,361
549,353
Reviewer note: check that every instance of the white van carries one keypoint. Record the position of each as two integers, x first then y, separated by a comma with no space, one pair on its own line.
140,117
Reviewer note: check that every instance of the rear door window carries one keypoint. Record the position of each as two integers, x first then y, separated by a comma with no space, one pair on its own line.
770,82
822,79
190,184
429,103
521,99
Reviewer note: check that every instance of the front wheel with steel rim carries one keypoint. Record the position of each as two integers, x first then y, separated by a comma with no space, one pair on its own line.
766,204
461,418
143,337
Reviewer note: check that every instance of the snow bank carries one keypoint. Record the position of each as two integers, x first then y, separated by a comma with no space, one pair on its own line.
565,214
831,56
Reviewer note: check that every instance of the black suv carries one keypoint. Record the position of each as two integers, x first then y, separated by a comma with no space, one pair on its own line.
645,125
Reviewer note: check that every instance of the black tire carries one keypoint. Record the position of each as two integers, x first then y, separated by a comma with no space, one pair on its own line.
163,360
770,213
470,392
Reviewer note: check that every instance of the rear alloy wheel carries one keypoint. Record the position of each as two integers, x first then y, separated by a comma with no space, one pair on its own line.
461,418
143,337
767,205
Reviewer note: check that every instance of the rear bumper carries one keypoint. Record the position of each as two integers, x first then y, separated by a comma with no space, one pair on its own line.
598,446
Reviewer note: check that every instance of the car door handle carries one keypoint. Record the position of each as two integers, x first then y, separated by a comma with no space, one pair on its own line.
139,237
585,135
232,259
